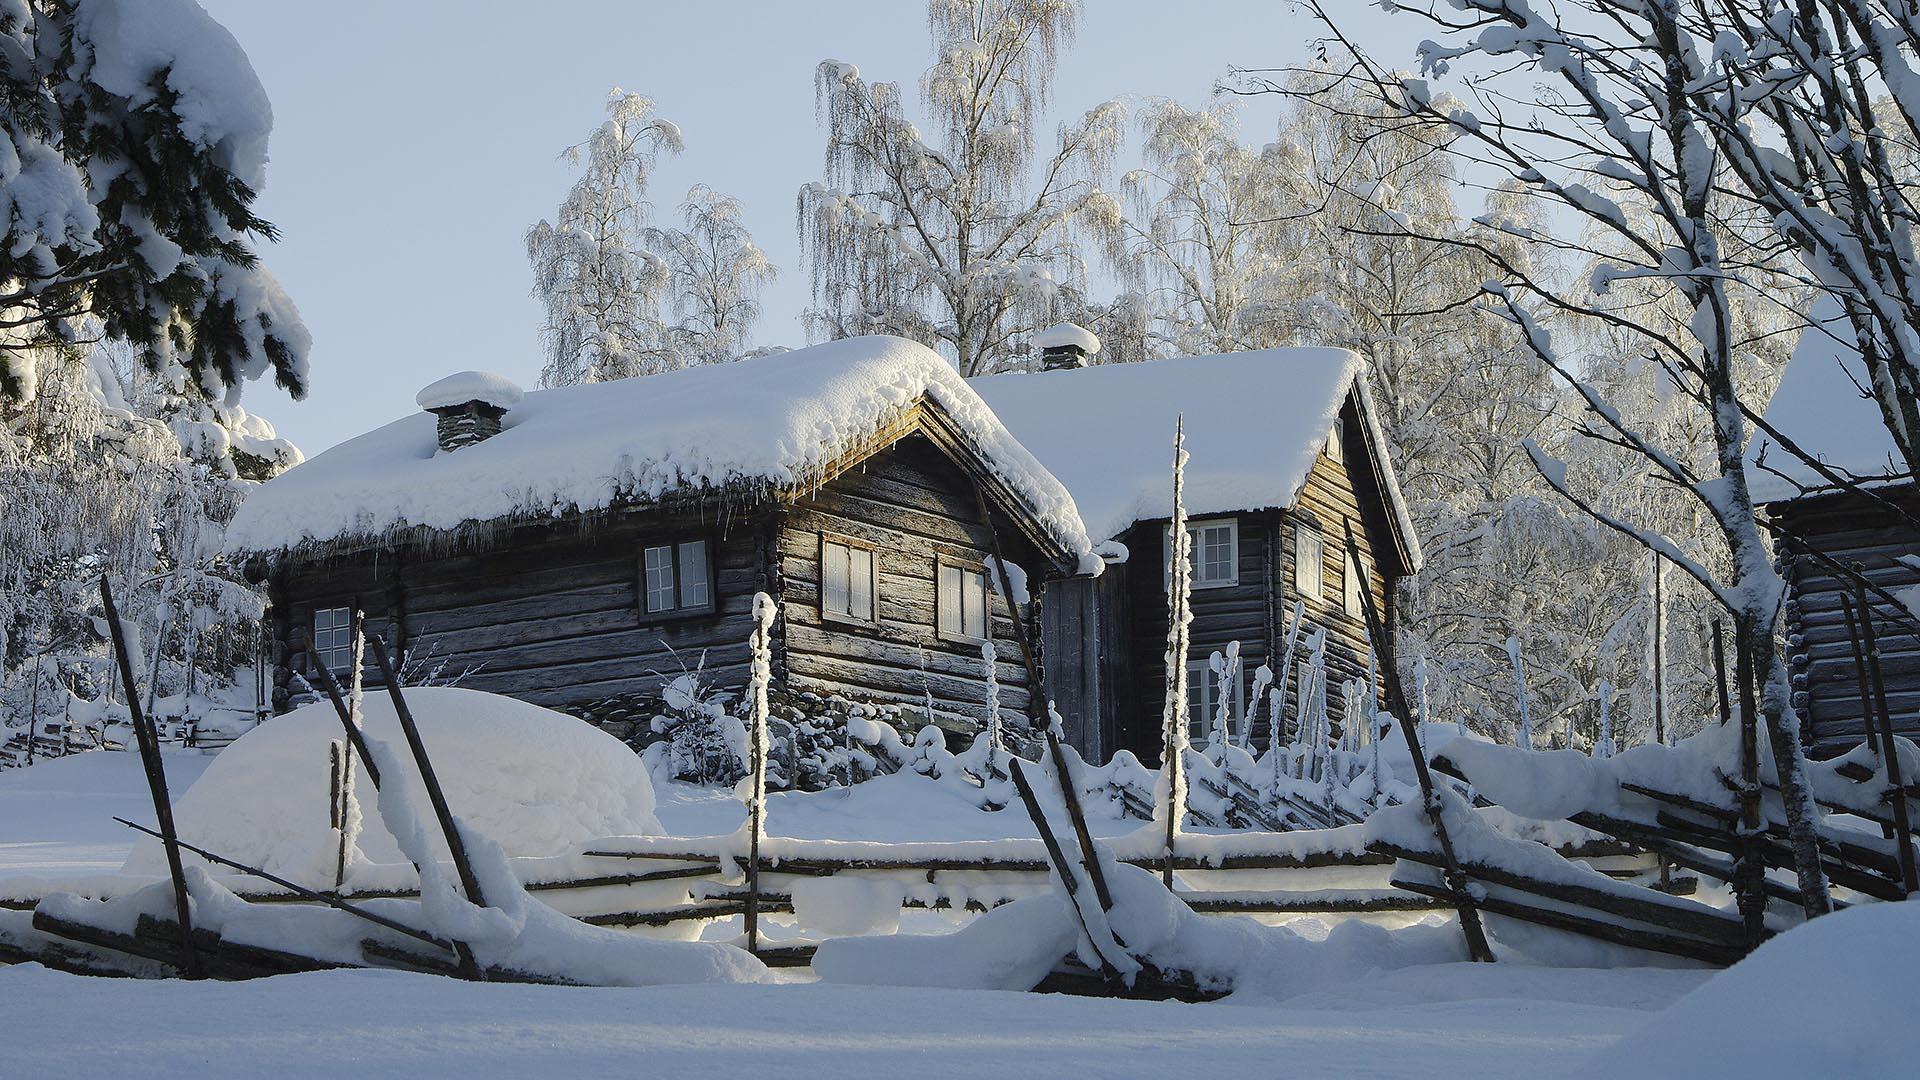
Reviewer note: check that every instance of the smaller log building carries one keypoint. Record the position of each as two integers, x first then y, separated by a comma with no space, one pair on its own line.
1854,533
1286,457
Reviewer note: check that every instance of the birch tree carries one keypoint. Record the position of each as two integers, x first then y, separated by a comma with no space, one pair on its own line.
600,288
716,273
1620,119
961,238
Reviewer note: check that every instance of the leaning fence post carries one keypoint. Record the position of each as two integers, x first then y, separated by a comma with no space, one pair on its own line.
1476,935
1889,749
456,846
149,742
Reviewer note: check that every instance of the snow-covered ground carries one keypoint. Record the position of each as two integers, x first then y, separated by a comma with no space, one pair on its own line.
1405,1018
1455,1020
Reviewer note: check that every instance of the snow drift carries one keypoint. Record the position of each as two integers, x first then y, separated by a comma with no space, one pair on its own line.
1830,999
536,781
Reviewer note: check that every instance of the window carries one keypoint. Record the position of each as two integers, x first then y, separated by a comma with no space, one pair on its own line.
1214,555
847,581
676,577
1203,698
960,602
1351,582
1336,451
333,639
1308,557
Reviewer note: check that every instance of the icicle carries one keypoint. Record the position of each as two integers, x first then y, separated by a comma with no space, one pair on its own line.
1520,691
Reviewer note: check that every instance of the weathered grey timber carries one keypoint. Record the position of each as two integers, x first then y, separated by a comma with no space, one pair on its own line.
553,612
1104,638
1827,543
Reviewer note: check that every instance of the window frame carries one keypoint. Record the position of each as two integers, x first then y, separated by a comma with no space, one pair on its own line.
873,568
676,543
1336,449
1200,527
942,563
1302,529
318,655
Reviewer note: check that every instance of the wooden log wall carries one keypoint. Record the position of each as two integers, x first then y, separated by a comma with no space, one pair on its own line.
552,615
913,505
1253,611
1852,530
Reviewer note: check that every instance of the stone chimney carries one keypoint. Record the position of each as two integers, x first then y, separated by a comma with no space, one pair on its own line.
469,406
1065,346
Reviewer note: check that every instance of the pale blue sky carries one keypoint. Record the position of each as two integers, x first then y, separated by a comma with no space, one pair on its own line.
415,140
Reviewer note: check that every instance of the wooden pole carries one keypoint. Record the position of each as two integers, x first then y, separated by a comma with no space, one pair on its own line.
149,743
1889,749
1179,580
1659,649
1036,695
1478,948
1068,880
763,616
456,846
303,892
1720,671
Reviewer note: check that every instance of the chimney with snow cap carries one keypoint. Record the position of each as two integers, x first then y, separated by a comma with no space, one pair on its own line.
469,405
1065,346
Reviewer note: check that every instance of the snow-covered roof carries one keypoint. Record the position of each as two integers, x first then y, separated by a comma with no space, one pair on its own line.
779,420
1822,405
1255,421
464,386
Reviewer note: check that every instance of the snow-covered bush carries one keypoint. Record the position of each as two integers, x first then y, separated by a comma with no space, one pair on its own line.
698,740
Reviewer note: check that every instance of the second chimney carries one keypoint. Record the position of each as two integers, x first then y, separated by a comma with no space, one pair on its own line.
1065,346
469,406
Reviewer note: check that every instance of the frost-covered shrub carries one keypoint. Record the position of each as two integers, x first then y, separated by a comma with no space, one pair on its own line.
698,740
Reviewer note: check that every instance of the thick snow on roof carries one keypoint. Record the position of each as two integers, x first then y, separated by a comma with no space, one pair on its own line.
1255,421
778,419
464,386
1823,407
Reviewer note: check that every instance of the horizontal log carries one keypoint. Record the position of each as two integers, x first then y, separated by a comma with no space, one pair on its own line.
1696,919
1649,940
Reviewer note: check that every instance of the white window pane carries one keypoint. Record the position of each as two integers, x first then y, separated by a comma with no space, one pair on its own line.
833,578
1307,572
1218,545
948,601
693,574
1334,448
973,598
860,584
659,562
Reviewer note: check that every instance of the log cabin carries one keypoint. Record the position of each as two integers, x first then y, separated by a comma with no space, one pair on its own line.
1286,455
580,547
1855,520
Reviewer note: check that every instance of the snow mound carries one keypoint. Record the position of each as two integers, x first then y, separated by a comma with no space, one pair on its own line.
778,421
464,386
537,781
1830,999
1065,334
